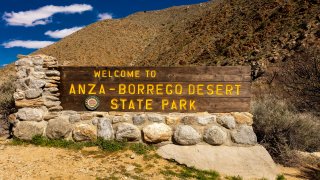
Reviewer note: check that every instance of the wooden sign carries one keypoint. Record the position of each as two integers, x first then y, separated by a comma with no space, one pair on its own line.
156,89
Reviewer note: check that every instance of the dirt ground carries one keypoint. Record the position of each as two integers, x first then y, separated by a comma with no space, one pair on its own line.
32,162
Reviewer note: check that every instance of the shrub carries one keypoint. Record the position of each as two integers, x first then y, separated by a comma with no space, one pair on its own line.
300,78
7,89
281,129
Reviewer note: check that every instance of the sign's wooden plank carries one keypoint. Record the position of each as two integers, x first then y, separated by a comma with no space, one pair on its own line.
159,104
159,89
168,74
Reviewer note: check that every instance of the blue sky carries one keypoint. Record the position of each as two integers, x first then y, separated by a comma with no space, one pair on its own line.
27,25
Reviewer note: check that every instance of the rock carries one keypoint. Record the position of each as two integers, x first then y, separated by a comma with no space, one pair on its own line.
129,132
58,128
33,93
206,119
124,118
214,135
50,115
132,156
154,117
30,114
244,135
52,89
50,104
130,168
73,118
22,73
186,135
55,108
157,132
86,116
198,119
24,62
243,118
139,119
252,162
52,98
29,103
21,84
53,73
36,83
84,132
25,130
173,119
19,95
227,121
105,129
38,75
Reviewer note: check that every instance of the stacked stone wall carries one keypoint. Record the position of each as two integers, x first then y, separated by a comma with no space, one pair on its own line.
40,113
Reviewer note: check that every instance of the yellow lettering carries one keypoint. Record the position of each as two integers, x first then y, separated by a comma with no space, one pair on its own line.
164,103
183,104
159,89
81,89
192,105
92,88
219,89
238,88
210,89
96,73
102,91
200,89
140,89
122,89
229,89
191,89
140,103
150,89
148,104
114,104
174,105
169,89
132,89
178,89
131,104
123,103
104,73
72,90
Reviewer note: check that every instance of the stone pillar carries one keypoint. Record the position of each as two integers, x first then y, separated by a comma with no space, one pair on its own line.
36,96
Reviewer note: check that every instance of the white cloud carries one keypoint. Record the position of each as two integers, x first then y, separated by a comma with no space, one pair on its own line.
62,33
3,65
27,44
42,15
103,16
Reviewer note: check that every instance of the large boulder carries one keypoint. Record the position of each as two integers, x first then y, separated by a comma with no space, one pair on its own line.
199,119
58,128
157,132
84,132
214,135
227,121
243,118
252,162
244,135
105,129
30,114
186,135
127,132
154,117
139,119
25,130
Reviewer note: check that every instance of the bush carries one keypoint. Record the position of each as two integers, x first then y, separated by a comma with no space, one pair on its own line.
281,129
7,89
300,78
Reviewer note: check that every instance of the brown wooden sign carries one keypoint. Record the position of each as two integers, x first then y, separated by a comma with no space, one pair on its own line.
156,89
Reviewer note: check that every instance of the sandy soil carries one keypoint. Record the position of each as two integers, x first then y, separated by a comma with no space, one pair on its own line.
31,162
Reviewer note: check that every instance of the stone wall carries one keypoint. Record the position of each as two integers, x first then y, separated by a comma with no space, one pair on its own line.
40,113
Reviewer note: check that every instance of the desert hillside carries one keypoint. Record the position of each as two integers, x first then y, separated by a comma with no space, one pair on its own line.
223,32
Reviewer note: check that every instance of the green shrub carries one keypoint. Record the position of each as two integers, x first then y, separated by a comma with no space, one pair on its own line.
140,148
111,145
281,129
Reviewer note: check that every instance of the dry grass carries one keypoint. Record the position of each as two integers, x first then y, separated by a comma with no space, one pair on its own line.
281,129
